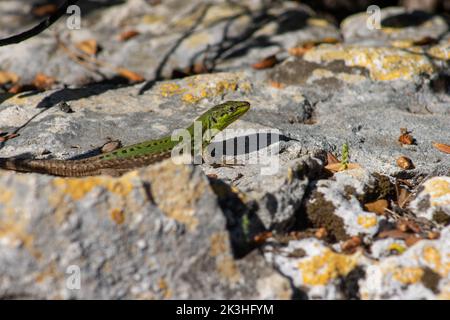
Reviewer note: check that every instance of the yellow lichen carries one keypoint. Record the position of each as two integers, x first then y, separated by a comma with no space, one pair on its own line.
434,260
397,247
383,63
225,264
78,188
440,51
367,221
321,269
170,89
5,195
439,190
408,275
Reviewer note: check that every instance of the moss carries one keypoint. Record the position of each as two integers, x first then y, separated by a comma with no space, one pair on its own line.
441,217
320,213
430,279
382,189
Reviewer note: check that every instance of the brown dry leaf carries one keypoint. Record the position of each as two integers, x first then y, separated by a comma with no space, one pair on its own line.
442,147
394,233
351,244
265,63
412,239
127,35
43,82
405,163
277,85
336,167
331,158
405,137
8,136
433,235
130,75
301,49
321,233
262,237
89,46
377,207
8,77
111,146
403,196
44,10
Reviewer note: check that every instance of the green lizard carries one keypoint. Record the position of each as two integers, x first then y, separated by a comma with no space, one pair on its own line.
128,158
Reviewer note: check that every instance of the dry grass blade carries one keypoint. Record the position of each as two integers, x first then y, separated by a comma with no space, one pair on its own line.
442,147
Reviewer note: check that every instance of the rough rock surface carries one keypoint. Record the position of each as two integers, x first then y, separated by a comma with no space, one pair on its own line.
273,221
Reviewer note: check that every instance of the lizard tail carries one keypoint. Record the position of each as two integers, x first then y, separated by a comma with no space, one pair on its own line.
22,165
53,167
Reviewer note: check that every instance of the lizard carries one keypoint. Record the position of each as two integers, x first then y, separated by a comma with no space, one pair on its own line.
134,156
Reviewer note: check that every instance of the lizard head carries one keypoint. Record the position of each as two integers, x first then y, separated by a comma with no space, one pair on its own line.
222,115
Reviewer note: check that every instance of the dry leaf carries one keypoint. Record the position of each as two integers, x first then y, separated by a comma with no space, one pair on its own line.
377,207
8,77
277,85
336,167
298,51
130,75
331,158
397,234
403,196
44,10
321,233
351,244
127,35
89,47
412,239
8,136
266,63
406,225
405,163
111,146
301,49
433,235
43,82
442,147
262,237
405,137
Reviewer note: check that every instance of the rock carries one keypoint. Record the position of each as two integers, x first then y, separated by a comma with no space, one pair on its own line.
433,202
178,231
395,24
421,272
138,236
335,206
